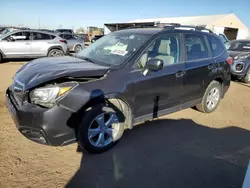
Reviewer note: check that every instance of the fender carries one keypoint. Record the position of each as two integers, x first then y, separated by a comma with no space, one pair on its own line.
55,47
77,44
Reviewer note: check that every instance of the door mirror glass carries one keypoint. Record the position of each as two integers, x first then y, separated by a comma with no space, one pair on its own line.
153,64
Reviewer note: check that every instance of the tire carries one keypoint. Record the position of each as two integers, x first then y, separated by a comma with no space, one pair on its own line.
1,58
246,78
77,48
55,53
207,107
89,123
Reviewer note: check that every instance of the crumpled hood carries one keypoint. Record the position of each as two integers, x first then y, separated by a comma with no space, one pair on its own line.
43,70
236,53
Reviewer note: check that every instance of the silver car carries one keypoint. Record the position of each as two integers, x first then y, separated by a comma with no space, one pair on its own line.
31,44
75,44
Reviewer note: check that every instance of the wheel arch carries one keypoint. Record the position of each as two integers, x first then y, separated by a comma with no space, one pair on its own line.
117,102
54,47
221,81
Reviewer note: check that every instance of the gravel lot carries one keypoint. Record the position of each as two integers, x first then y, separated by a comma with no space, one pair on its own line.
183,150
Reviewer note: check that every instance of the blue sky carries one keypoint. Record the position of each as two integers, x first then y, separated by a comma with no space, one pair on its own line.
68,14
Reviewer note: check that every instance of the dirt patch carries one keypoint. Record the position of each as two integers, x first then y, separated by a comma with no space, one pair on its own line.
2,100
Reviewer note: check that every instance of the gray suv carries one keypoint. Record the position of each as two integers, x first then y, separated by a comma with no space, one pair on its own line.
31,44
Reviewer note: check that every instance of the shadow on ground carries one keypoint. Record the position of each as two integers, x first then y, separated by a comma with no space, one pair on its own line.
169,153
16,60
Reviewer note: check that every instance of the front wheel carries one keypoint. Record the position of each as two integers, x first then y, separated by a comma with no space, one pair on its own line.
211,98
101,129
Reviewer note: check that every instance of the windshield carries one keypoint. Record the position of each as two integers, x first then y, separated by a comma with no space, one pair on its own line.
113,49
240,46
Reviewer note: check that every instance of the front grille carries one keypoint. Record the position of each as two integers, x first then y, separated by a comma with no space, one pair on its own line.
239,67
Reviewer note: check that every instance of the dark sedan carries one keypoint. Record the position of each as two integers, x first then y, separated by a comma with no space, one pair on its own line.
239,50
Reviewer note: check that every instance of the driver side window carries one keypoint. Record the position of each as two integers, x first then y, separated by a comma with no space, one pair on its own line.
166,48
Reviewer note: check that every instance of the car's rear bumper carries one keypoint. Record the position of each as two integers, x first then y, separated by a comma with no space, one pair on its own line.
42,125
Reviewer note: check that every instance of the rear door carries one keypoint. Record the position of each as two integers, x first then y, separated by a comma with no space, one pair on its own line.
199,65
20,47
40,43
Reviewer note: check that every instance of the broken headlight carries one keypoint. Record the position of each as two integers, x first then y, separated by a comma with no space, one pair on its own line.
48,95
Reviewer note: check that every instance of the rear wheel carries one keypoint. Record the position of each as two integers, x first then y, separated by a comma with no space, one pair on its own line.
100,129
78,48
1,58
211,98
55,53
246,78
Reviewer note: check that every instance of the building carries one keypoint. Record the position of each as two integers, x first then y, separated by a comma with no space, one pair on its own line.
229,24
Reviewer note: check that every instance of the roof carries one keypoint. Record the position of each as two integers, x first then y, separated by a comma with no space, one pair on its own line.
189,20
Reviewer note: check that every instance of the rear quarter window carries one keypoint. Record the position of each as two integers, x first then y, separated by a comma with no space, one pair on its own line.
216,45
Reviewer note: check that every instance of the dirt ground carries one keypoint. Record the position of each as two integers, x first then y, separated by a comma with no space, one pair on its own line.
183,150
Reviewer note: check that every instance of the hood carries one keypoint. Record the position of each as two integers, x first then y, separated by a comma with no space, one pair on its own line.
43,70
233,54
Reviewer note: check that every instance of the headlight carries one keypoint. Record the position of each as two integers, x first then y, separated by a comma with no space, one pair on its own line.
47,96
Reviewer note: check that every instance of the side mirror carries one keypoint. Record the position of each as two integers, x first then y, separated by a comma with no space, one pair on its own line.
153,65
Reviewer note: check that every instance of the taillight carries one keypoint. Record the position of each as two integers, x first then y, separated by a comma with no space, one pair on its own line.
64,41
230,60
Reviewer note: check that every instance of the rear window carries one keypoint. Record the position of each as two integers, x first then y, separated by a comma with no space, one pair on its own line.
41,36
216,46
196,47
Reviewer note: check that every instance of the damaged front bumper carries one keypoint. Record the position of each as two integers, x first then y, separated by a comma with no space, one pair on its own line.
47,126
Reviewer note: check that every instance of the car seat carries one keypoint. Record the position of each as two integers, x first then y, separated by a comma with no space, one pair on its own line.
164,53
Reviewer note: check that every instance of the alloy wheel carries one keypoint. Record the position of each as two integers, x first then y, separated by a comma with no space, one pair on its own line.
103,129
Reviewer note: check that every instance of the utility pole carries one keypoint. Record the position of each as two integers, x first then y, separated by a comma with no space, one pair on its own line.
39,22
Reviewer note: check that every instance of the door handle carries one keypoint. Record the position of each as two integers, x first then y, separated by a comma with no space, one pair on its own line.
180,74
210,66
28,43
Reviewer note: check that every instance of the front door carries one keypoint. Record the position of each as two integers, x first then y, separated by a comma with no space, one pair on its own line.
159,91
20,47
198,66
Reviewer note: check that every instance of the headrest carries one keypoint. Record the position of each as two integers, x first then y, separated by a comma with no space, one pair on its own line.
164,47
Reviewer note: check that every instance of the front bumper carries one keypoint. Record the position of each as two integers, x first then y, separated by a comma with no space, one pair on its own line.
239,69
42,125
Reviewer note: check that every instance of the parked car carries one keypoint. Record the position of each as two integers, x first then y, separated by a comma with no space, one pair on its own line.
64,31
74,43
239,50
1,29
96,37
7,30
85,37
126,77
31,44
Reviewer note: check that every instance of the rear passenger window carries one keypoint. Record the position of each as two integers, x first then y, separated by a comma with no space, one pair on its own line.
196,47
41,36
216,46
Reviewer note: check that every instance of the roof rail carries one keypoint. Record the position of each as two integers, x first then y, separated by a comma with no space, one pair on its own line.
170,26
